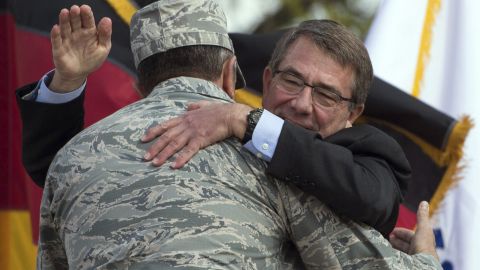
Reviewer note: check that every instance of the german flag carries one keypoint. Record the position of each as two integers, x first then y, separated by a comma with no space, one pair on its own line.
26,55
432,140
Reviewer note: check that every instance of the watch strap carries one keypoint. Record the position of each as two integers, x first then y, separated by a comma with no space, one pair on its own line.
252,120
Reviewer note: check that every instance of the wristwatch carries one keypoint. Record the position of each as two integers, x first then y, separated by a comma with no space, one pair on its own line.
252,119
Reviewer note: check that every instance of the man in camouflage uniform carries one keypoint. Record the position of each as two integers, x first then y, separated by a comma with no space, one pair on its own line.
104,207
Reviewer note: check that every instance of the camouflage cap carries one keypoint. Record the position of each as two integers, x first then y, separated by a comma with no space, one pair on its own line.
169,24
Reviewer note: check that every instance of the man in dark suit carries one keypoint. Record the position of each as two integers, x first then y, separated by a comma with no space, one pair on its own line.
359,172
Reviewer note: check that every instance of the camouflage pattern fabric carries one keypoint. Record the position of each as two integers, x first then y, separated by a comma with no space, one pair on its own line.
103,207
169,24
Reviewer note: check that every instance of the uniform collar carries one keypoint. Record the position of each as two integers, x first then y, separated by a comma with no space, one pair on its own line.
190,85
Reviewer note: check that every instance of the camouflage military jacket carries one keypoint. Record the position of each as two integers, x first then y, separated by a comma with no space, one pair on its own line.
103,207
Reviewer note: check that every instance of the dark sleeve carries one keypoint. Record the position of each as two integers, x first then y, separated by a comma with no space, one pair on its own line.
45,129
359,172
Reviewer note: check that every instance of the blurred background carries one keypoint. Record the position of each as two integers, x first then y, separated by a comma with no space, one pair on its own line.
253,16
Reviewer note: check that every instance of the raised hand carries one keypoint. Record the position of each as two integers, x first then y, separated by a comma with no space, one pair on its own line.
204,124
420,241
78,47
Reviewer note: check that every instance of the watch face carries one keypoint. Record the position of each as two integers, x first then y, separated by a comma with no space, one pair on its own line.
254,117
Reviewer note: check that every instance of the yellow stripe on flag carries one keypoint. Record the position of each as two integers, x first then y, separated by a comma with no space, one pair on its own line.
124,8
16,245
248,98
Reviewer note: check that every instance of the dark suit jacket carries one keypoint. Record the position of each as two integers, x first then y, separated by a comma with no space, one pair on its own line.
359,172
46,129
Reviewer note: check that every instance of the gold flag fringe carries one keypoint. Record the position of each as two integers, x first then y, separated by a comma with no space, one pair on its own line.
453,156
448,157
433,7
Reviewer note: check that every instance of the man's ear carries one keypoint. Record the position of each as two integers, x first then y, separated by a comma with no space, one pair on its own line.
229,76
355,113
267,80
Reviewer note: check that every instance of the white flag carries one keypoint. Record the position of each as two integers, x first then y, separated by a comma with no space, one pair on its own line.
431,49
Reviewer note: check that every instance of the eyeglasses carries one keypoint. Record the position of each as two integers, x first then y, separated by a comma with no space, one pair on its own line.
294,85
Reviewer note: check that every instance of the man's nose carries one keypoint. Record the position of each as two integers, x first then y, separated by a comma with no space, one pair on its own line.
303,102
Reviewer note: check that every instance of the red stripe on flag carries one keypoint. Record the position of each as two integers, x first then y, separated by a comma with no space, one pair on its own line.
13,181
406,218
109,89
29,57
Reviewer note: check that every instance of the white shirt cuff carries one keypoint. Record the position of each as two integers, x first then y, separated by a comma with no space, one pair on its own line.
46,95
265,136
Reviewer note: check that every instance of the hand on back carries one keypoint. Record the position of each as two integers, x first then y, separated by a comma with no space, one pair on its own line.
204,124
